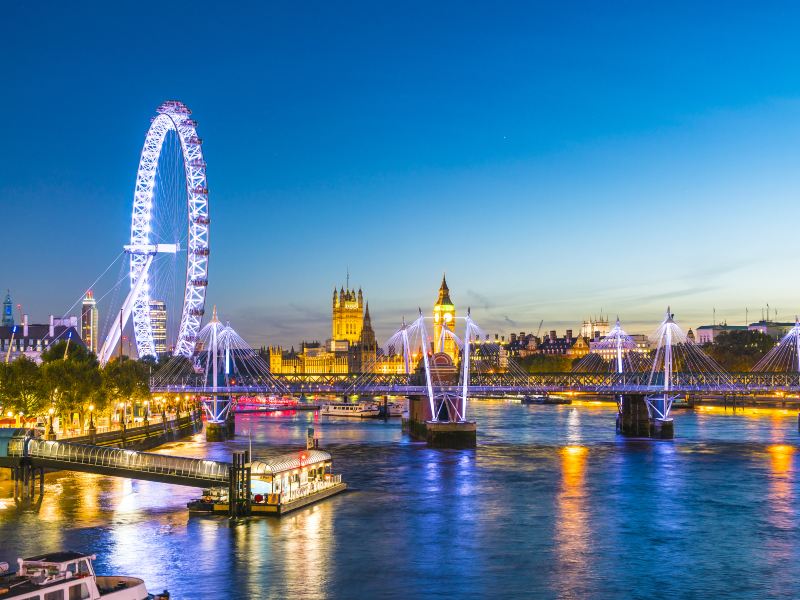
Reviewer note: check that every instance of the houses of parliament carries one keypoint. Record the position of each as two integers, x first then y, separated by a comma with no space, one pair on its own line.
352,347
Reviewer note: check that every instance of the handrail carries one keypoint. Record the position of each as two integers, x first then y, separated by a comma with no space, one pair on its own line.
119,458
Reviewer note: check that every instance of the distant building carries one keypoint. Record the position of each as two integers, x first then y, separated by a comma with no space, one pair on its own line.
552,344
31,340
158,322
444,320
643,346
351,349
771,328
580,347
595,328
705,334
8,311
90,319
348,315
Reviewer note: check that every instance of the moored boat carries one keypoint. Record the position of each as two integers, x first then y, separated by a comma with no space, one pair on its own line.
545,400
360,410
63,575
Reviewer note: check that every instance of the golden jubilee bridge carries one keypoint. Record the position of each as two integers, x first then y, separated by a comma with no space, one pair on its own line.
228,368
493,384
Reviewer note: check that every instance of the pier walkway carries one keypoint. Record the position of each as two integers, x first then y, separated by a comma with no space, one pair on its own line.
118,462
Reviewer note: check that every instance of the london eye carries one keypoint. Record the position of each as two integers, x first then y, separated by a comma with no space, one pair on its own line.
170,216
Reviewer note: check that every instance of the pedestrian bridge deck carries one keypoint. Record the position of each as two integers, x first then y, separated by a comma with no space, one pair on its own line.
118,462
489,383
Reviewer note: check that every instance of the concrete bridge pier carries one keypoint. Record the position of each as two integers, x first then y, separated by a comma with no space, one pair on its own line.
220,425
27,479
634,420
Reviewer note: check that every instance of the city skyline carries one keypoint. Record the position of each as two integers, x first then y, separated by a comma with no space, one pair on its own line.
541,197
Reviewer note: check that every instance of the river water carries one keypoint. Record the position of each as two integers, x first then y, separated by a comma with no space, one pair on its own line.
552,504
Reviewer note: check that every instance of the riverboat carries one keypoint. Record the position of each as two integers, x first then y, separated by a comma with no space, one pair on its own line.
395,409
360,410
67,575
279,485
545,400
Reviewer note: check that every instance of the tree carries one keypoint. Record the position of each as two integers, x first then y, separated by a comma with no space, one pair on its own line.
21,388
546,363
126,380
739,351
73,383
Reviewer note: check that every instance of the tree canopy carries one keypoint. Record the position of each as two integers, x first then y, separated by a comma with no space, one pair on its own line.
738,351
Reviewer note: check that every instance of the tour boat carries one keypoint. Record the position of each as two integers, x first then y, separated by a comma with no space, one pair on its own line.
362,409
545,400
395,409
67,575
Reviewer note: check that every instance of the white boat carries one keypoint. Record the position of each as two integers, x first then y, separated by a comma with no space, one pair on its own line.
67,575
395,409
361,409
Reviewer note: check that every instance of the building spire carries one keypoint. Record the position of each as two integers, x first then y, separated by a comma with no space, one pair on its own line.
444,293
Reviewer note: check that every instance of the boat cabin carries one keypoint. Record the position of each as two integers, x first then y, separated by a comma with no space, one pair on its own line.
289,474
66,576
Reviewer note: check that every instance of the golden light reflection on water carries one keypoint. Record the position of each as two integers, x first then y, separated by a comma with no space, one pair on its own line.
572,525
780,497
306,552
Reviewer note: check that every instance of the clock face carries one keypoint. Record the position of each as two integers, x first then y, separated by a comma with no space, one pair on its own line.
436,318
448,317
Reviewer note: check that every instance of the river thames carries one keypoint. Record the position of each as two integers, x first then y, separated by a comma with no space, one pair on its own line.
552,504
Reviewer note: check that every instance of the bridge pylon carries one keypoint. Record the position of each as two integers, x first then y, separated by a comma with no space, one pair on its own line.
439,415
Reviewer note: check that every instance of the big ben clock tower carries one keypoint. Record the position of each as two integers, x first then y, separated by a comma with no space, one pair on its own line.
444,316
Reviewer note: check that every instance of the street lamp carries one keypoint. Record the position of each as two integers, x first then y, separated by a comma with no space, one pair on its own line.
51,434
91,416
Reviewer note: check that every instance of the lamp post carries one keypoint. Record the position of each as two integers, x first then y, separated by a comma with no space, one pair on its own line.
146,412
92,428
51,434
122,415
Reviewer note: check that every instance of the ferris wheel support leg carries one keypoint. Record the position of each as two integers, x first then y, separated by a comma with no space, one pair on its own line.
127,307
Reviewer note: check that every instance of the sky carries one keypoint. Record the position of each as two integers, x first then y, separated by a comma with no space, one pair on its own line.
554,159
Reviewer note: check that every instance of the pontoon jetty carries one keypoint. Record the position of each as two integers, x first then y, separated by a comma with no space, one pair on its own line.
276,486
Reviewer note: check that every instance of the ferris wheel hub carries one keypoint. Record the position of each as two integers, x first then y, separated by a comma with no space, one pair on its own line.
147,249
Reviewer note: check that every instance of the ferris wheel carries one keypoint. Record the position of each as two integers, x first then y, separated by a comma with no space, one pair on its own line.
145,246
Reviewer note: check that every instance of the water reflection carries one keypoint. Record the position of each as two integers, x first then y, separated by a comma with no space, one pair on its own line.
572,525
781,489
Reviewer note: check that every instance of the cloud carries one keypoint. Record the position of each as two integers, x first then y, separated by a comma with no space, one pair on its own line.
481,300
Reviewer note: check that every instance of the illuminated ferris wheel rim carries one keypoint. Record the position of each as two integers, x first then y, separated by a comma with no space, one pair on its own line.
171,116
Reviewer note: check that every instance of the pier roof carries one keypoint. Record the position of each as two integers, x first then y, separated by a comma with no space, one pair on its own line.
288,462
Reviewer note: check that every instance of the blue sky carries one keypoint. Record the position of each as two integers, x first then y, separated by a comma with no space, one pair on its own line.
554,159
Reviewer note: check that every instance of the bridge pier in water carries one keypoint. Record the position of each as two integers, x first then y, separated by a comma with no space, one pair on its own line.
221,422
27,481
634,419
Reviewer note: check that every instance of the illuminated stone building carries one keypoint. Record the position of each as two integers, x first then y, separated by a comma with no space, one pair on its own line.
595,328
352,347
348,315
444,318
